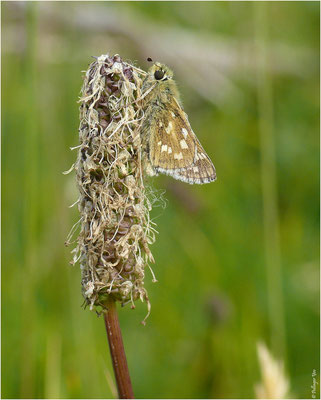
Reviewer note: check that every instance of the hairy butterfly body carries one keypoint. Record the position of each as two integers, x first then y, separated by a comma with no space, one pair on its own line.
170,145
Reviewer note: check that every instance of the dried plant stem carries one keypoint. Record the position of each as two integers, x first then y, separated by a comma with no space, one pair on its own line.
117,351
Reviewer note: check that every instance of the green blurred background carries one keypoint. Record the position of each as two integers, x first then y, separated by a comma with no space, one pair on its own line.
237,261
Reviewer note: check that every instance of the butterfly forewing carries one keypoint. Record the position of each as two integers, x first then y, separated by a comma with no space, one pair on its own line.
172,144
176,151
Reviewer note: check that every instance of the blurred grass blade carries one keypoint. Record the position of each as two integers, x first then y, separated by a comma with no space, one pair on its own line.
269,182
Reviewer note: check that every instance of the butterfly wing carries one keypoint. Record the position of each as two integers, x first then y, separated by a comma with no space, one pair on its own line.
171,145
201,171
175,150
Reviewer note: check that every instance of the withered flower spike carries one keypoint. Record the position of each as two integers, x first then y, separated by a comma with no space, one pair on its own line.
116,229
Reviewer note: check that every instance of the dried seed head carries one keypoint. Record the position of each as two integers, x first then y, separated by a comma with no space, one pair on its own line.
116,230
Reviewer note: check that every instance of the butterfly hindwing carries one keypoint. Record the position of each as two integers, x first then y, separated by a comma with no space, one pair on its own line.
202,170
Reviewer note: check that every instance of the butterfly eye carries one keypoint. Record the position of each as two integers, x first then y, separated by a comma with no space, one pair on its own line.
159,74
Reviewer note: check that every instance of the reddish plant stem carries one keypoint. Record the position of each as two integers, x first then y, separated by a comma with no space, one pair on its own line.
117,352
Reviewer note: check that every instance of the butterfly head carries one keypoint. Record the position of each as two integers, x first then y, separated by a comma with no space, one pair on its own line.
159,85
160,72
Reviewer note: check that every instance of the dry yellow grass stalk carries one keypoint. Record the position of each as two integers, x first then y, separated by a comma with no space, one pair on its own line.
274,383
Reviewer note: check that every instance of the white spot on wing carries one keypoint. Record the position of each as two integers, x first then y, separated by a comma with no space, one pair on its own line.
178,156
164,148
169,128
169,151
183,144
159,143
173,114
184,132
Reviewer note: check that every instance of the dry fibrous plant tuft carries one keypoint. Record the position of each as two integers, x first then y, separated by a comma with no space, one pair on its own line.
274,383
115,225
